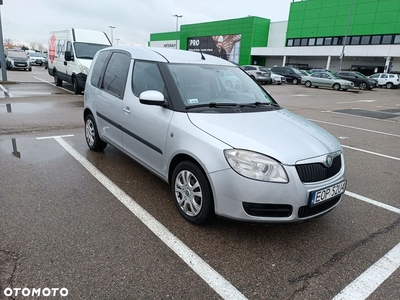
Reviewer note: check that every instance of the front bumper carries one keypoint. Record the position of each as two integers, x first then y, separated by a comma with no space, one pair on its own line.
240,198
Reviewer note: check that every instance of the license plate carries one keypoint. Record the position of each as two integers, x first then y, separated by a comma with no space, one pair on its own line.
327,193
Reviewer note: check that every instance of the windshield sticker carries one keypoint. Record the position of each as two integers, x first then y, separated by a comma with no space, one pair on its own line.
192,101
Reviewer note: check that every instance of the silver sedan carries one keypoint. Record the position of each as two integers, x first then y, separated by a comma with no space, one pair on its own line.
326,80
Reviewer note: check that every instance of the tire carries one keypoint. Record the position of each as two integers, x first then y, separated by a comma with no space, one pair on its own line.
30,69
362,86
77,88
308,84
92,136
336,86
279,83
295,81
57,81
192,193
389,85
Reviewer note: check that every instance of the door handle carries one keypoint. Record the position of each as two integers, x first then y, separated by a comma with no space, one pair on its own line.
65,63
127,110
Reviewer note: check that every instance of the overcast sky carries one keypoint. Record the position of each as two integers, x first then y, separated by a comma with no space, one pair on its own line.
30,21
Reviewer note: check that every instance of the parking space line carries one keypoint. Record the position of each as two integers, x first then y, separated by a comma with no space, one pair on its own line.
6,92
368,282
357,128
218,283
54,85
373,202
370,152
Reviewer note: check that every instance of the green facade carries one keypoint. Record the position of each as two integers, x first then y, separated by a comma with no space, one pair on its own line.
321,18
254,31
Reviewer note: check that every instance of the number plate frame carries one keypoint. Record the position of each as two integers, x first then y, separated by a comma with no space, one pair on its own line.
321,196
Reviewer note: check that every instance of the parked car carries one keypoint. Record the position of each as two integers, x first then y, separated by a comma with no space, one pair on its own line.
217,148
360,80
36,58
17,59
46,62
387,80
327,79
258,73
278,79
292,75
305,73
318,70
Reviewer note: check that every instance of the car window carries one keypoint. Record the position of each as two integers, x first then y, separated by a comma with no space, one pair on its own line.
324,75
116,74
146,76
318,74
384,76
361,75
375,76
263,69
98,68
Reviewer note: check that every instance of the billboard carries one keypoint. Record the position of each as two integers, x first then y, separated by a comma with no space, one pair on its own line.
224,46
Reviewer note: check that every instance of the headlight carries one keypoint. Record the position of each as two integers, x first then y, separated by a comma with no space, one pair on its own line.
255,165
84,69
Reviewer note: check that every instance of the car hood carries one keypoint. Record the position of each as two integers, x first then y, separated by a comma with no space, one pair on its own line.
85,62
280,134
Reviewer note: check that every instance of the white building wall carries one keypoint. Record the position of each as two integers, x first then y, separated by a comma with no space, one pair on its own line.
275,36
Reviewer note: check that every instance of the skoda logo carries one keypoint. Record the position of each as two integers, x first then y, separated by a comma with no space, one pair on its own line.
329,160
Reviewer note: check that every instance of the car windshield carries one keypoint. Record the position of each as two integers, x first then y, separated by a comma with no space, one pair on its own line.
361,75
217,86
87,50
263,69
16,54
333,75
297,71
35,55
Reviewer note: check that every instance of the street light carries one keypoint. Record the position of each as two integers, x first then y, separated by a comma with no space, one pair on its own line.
2,57
112,39
117,41
176,41
345,37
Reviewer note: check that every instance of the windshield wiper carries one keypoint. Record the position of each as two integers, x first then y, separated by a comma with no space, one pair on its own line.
258,104
214,105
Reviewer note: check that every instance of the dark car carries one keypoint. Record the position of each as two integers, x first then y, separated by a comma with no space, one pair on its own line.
292,75
360,80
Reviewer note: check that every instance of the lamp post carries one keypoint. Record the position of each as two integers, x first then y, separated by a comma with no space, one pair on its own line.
2,56
112,39
117,41
345,36
176,41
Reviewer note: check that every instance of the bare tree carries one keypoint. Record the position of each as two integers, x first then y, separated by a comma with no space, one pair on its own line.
8,42
33,46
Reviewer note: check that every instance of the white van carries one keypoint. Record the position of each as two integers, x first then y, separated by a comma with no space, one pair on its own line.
71,52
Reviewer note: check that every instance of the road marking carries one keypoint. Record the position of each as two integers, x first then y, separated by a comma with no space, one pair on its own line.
7,93
54,136
218,283
55,85
370,152
368,282
357,128
373,202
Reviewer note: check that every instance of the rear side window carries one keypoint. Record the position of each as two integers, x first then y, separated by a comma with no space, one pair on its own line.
116,74
98,68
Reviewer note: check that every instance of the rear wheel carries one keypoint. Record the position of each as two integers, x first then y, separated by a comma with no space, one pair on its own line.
192,193
57,81
92,136
336,86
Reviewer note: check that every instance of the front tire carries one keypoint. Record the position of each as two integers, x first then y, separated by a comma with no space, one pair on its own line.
192,193
77,88
308,84
362,86
57,81
336,86
389,85
92,136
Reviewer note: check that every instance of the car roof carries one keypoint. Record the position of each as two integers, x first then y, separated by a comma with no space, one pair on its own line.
170,55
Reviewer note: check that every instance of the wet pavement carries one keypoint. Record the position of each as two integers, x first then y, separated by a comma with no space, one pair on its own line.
60,227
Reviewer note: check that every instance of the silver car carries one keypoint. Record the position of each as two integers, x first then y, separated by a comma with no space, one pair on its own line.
327,80
231,152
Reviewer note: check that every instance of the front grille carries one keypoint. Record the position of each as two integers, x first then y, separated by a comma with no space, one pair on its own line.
307,211
268,210
318,172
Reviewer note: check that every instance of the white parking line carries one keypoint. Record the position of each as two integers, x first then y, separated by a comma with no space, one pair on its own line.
373,202
6,92
55,85
368,282
357,128
218,283
370,152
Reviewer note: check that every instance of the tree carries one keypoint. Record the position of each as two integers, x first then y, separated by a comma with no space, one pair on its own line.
24,48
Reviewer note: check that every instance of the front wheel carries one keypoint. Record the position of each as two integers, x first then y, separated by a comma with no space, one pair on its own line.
192,193
389,85
77,88
336,86
308,84
92,136
362,86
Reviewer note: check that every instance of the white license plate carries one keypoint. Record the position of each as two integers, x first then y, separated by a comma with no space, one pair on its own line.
327,193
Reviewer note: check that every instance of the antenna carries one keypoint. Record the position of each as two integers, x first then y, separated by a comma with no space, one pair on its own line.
201,53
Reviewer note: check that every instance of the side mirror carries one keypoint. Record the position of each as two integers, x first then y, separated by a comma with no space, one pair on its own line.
152,97
68,56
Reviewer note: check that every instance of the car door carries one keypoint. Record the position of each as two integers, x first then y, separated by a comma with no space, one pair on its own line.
110,95
326,80
146,126
316,79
